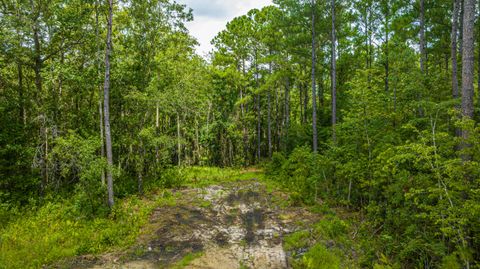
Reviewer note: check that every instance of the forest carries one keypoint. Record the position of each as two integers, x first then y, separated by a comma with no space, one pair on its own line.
364,112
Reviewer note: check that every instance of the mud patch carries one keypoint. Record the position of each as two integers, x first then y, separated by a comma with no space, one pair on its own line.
233,225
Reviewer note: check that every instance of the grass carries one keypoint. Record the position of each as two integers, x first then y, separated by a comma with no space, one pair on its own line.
325,244
53,233
186,260
204,176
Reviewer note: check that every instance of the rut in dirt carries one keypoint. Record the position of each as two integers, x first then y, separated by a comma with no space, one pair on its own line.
233,225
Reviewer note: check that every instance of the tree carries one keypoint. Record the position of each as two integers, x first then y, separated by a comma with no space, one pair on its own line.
334,75
468,59
314,80
106,106
456,4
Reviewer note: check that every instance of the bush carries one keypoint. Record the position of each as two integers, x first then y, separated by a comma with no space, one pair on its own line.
319,257
300,173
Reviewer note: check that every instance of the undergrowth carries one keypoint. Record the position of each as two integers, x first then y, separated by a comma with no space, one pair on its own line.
62,228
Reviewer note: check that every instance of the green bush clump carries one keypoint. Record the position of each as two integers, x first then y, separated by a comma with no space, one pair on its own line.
302,174
319,257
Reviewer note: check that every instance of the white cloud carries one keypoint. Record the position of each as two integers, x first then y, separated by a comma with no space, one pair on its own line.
211,17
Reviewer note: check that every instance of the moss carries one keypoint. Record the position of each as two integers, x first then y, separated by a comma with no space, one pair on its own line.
186,260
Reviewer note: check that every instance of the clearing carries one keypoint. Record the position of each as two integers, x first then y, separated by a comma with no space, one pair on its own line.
235,224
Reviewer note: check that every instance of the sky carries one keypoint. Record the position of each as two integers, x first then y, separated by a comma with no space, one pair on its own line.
211,17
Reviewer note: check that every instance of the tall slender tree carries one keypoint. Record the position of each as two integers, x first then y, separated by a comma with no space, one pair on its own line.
106,106
334,75
422,36
456,4
314,97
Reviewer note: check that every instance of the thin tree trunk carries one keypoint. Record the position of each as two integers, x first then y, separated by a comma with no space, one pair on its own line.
305,102
140,182
269,118
314,87
455,92
39,91
21,98
422,36
141,153
179,146
106,106
334,76
300,101
157,130
259,112
277,120
259,129
197,143
102,140
460,32
244,127
422,51
100,101
287,112
387,33
321,97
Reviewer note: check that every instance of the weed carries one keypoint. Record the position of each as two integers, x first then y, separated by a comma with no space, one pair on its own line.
186,260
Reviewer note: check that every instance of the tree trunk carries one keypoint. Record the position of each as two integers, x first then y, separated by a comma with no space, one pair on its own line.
197,155
179,146
314,87
269,118
478,68
422,36
305,102
21,98
277,120
102,140
300,101
39,91
157,130
100,101
468,59
259,112
334,76
422,52
106,106
460,33
455,92
259,129
244,127
387,33
287,113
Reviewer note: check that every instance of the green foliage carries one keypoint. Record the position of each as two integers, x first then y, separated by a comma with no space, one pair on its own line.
296,240
186,260
302,173
397,157
319,257
79,161
57,230
168,178
327,244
